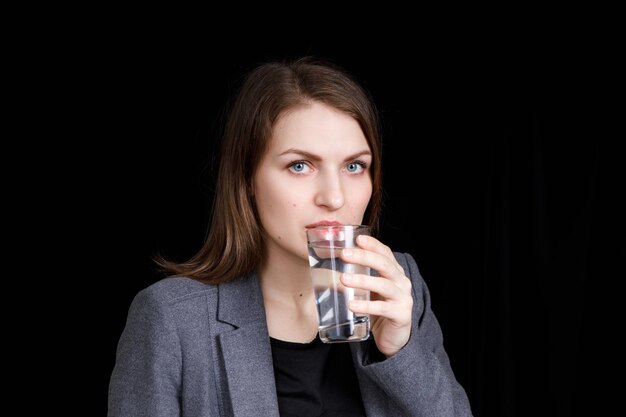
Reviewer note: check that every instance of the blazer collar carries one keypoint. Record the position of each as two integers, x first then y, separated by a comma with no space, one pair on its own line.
241,301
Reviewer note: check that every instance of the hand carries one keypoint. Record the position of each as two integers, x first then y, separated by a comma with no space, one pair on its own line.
391,299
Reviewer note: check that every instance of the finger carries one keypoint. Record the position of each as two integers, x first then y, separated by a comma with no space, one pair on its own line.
370,243
386,266
383,287
392,311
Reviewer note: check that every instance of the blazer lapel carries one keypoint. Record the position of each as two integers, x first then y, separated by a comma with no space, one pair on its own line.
246,350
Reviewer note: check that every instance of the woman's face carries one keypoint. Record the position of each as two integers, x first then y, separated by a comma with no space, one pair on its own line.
315,171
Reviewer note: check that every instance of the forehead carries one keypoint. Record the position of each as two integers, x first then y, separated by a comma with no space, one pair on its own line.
317,125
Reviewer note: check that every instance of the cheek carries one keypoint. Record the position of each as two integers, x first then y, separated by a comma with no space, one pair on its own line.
364,196
275,200
359,203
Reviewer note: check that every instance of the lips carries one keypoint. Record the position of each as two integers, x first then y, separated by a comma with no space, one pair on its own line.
323,223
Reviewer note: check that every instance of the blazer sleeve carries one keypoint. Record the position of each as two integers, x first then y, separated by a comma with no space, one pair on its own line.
146,377
419,378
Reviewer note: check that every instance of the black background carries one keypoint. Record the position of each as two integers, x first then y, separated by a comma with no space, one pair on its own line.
500,178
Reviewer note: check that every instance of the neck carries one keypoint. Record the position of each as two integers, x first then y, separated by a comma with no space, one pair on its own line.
285,276
289,300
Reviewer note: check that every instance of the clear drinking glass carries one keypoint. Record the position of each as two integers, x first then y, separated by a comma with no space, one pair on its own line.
337,323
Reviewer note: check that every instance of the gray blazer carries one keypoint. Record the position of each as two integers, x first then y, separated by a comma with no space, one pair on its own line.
190,349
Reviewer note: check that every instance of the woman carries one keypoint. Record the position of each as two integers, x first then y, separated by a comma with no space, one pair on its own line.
233,331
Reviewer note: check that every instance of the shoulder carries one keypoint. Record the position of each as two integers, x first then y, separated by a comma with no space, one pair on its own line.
169,304
171,291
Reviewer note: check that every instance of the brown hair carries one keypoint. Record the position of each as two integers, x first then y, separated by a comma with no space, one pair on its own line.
234,243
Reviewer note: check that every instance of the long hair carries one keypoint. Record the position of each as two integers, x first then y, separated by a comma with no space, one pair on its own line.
234,242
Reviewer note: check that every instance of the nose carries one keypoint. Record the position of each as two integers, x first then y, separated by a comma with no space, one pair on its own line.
330,193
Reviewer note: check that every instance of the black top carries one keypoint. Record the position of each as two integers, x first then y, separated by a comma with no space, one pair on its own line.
316,379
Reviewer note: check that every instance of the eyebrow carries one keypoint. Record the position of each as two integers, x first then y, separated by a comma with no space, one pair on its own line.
314,157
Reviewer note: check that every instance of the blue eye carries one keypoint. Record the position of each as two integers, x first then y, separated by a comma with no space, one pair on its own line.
298,166
355,167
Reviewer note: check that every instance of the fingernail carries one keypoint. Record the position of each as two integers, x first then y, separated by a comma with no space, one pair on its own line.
347,277
347,252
